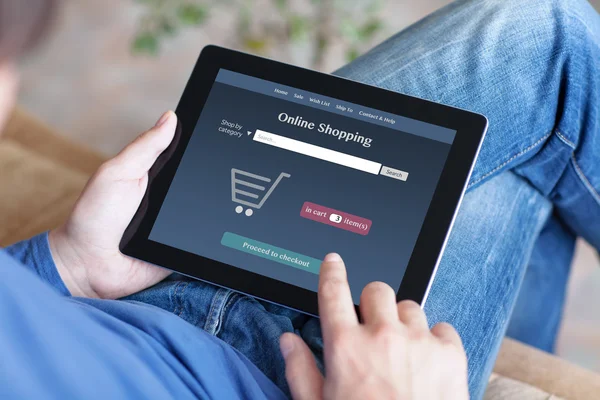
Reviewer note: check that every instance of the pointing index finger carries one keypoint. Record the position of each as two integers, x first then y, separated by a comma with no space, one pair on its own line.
336,307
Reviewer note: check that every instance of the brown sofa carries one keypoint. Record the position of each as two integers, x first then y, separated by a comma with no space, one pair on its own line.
41,175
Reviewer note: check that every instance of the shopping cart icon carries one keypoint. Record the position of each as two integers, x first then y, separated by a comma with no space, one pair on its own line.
240,178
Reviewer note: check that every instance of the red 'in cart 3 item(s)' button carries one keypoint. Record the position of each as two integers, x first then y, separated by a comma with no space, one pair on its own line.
339,219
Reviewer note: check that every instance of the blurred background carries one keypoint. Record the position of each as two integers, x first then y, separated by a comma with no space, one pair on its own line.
109,69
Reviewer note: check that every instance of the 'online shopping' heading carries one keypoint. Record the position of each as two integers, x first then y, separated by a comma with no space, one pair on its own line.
325,128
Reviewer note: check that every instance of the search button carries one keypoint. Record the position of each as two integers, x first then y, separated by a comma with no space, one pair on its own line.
394,173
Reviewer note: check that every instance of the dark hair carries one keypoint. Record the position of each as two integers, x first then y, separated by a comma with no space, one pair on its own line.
22,24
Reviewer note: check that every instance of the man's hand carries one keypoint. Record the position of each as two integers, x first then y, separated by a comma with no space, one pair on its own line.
391,355
86,248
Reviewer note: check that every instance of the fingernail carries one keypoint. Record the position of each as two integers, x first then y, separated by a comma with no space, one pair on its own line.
164,118
286,344
333,257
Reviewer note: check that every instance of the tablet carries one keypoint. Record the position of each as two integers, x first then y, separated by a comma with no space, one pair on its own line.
274,166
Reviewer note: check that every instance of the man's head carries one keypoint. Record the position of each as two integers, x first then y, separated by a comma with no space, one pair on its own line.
22,24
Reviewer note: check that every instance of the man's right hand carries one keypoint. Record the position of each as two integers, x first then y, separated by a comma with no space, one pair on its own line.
392,354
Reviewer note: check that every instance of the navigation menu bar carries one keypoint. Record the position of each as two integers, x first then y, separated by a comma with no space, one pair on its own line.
341,107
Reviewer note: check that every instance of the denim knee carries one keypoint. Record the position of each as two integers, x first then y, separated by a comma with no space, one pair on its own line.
555,22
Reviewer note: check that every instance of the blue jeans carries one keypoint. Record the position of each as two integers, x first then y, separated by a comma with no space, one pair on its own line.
533,68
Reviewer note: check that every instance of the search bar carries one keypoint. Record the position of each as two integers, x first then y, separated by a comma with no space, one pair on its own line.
321,153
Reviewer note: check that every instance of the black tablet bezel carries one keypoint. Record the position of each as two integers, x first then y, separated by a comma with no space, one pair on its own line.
470,129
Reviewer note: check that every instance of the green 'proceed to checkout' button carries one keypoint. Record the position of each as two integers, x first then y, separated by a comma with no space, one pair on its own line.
271,252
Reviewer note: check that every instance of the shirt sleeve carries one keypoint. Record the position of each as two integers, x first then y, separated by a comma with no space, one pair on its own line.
58,347
35,255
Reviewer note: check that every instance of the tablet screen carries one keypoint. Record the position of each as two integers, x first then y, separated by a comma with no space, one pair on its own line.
275,177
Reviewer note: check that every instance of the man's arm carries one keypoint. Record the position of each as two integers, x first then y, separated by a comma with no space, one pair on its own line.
35,255
86,248
82,257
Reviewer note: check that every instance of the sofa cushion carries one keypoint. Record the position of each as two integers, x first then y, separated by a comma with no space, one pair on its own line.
38,138
37,193
41,176
502,388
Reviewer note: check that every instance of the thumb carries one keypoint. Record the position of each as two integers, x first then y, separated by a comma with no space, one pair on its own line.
135,160
303,377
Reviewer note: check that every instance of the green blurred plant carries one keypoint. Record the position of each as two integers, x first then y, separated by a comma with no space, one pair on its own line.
316,23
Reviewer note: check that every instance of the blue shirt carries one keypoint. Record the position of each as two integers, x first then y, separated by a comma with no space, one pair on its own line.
60,347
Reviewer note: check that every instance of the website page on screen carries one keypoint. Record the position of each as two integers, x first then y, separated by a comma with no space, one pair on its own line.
275,177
